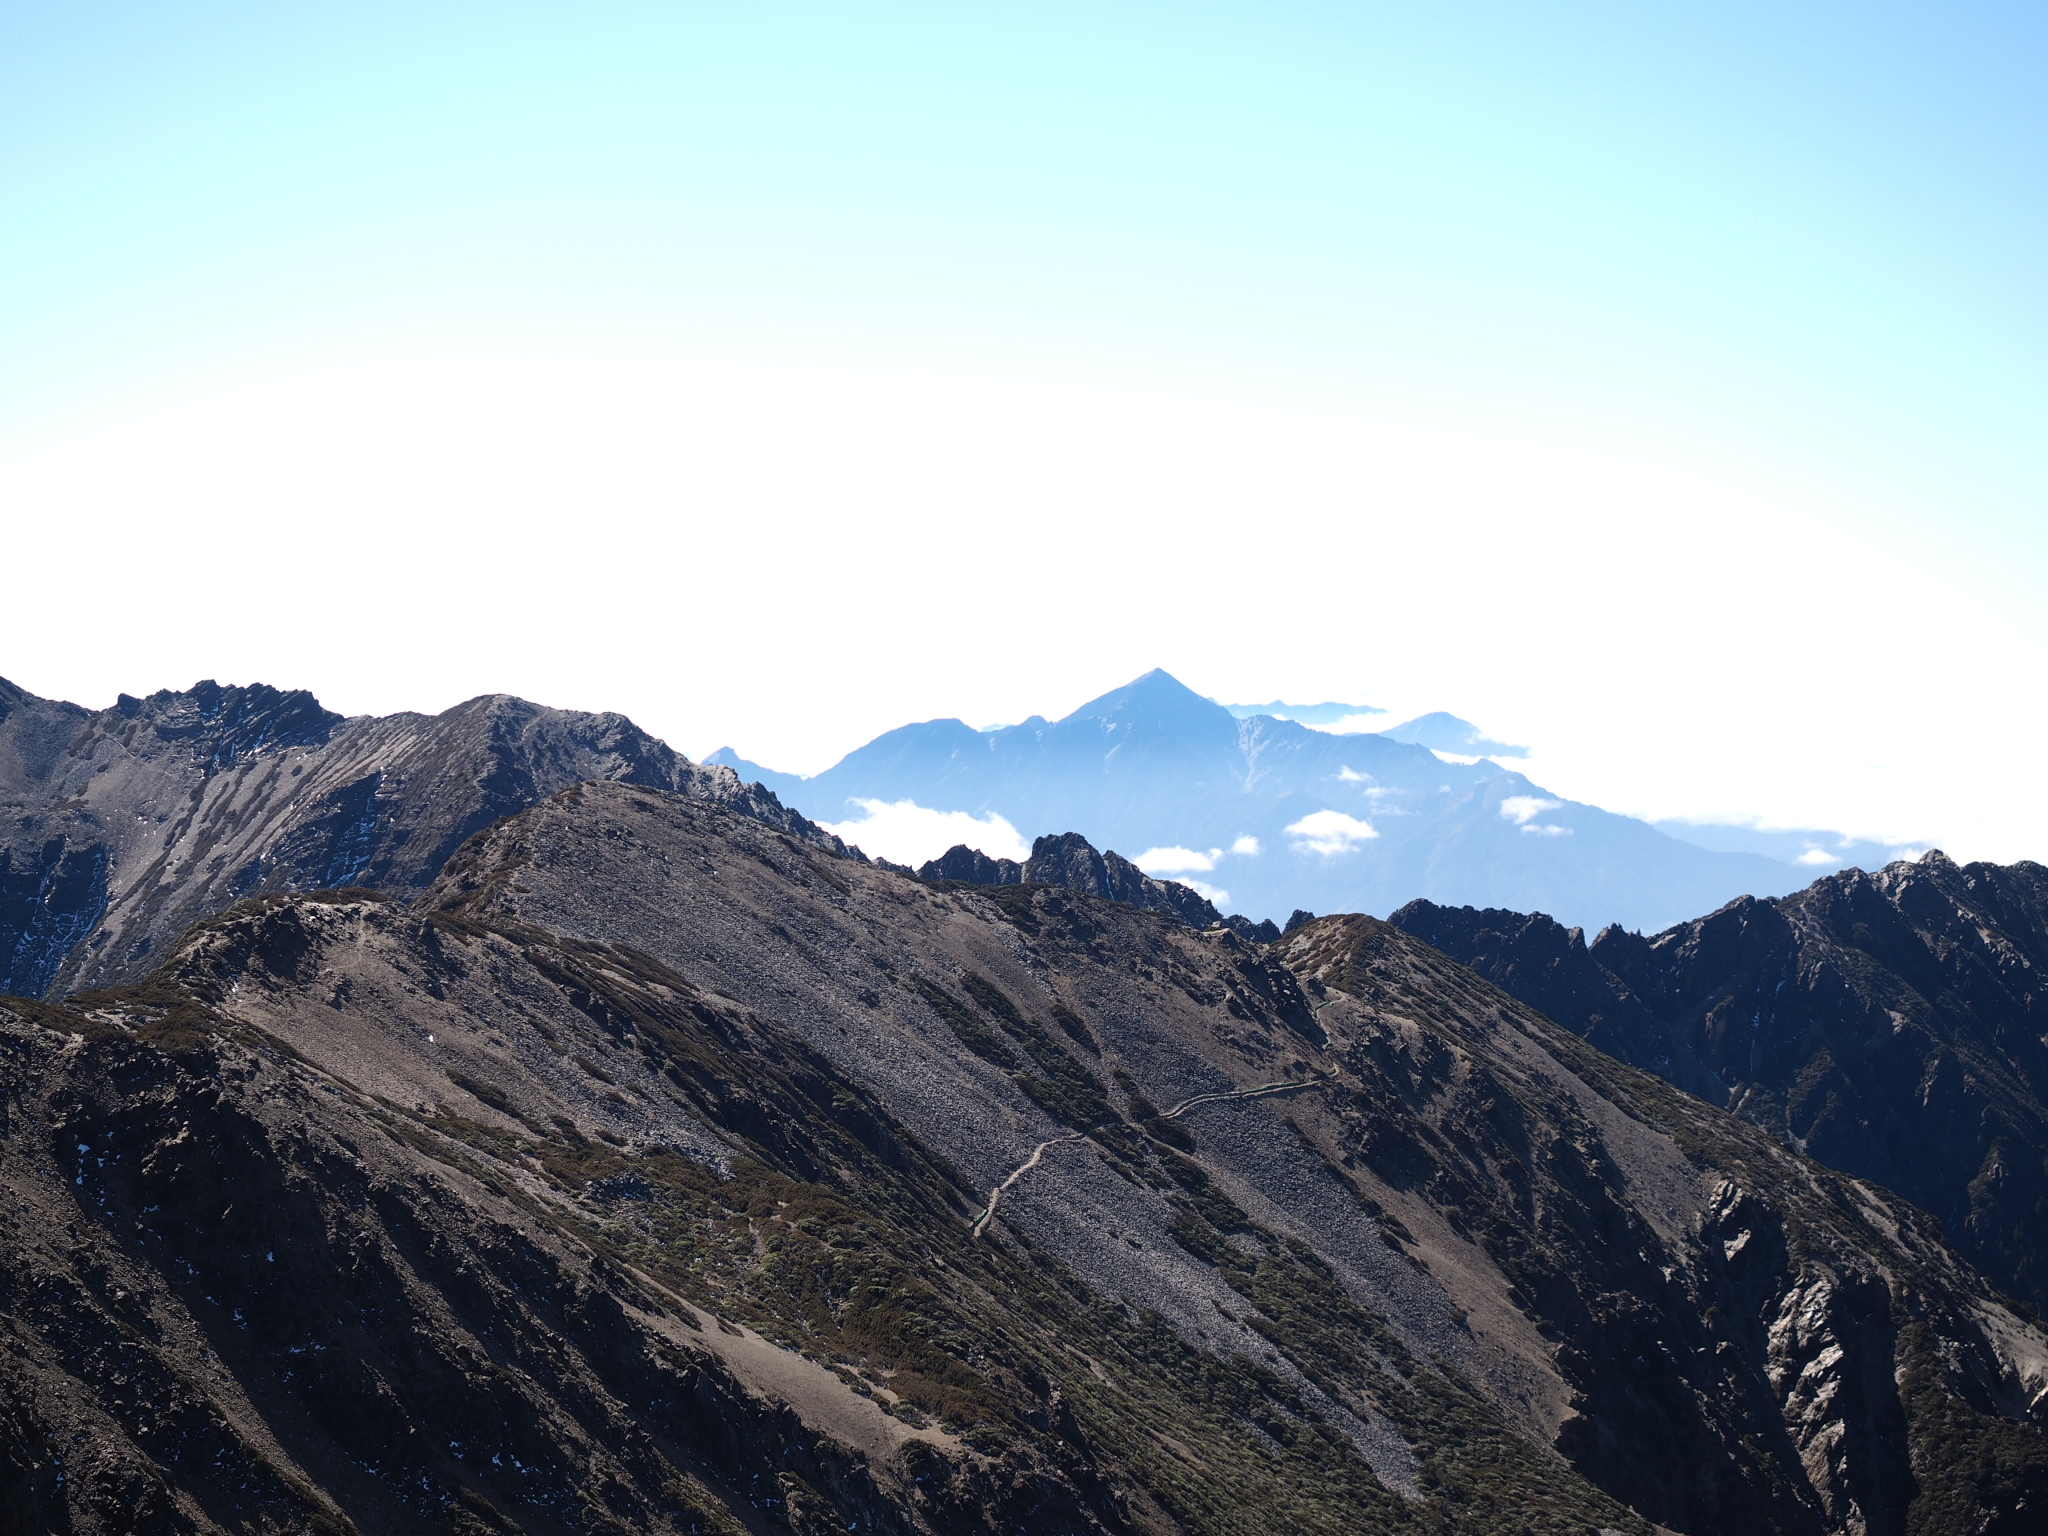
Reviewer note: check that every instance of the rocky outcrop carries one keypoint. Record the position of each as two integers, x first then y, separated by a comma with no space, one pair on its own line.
1264,931
971,865
123,826
1068,859
1890,1025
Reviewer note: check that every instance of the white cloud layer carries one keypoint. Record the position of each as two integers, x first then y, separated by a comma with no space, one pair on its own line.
1329,832
905,832
1247,845
1523,810
1353,725
1175,861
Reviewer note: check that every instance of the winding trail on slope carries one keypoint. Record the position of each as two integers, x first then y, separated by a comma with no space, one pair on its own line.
988,1213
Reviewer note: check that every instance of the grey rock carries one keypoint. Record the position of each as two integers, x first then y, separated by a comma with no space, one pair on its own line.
1069,860
961,862
1889,1024
120,827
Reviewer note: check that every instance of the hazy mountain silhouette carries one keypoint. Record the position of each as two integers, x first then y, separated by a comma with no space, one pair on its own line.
1350,823
1447,733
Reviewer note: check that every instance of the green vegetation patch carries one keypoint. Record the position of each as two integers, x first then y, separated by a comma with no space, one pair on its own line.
973,1031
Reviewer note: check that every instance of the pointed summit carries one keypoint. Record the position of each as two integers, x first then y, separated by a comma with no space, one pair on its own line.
1158,696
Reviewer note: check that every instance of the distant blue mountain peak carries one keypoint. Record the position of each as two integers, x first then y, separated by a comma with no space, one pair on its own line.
1158,694
1447,733
1279,814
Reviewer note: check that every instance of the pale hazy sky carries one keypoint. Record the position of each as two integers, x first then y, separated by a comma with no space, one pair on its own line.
1664,387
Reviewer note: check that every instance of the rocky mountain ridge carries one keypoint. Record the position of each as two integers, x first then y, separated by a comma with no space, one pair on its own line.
630,1179
1890,1024
1068,859
120,827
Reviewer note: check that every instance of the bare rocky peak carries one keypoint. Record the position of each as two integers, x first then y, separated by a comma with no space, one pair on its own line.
1068,859
125,825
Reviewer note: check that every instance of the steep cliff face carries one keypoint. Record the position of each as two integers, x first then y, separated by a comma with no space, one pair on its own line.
660,1171
122,827
1890,1025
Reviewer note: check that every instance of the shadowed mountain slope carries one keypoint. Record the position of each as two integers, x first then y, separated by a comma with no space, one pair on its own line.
120,827
660,1171
1891,1025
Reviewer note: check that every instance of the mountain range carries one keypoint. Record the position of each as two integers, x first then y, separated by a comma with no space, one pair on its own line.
656,1162
1266,814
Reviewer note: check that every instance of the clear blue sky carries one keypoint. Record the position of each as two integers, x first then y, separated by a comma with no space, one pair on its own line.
1839,211
1788,257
